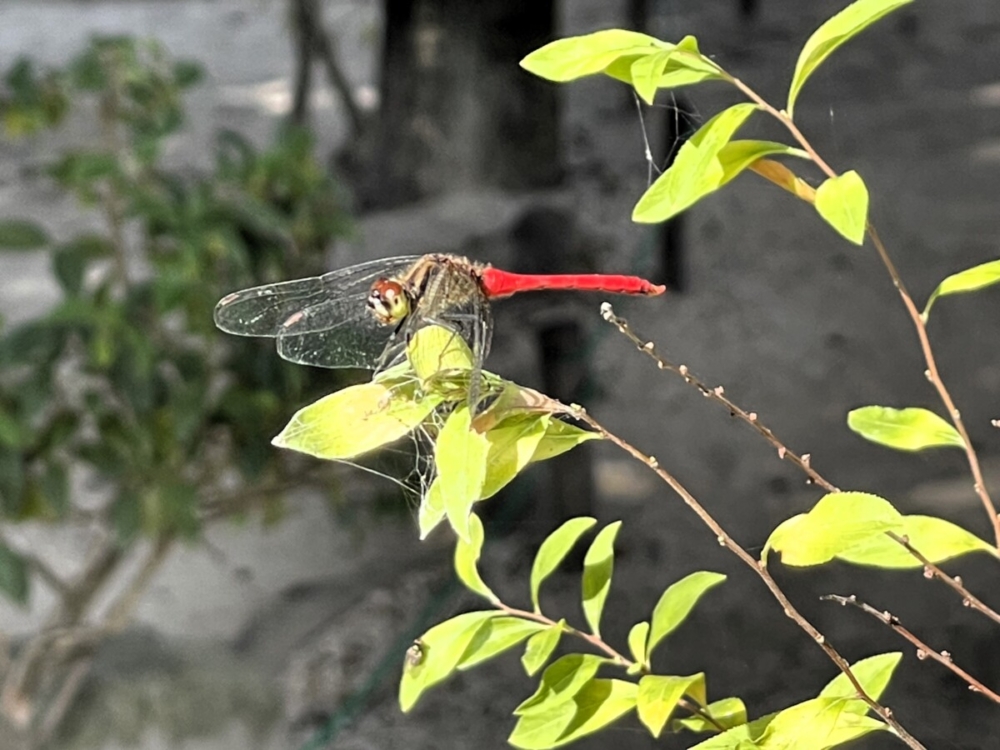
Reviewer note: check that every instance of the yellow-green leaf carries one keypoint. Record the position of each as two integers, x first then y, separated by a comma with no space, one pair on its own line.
677,602
842,201
736,156
637,641
561,680
578,56
696,171
598,566
911,429
467,555
356,420
969,280
540,647
658,696
496,636
432,509
818,724
20,234
838,522
873,673
833,33
936,539
554,550
434,349
599,703
560,437
646,72
441,650
460,457
727,712
513,444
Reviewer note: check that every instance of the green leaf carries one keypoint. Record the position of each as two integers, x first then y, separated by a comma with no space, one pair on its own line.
819,724
432,509
434,350
561,680
496,636
834,32
685,66
728,712
696,171
442,648
598,704
736,156
356,420
579,56
14,581
838,522
646,72
969,280
677,602
911,429
20,234
554,550
936,539
69,261
873,673
843,202
560,437
637,642
597,568
540,647
467,555
460,456
512,443
659,695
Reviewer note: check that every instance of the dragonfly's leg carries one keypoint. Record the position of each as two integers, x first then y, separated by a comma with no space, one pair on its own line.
390,345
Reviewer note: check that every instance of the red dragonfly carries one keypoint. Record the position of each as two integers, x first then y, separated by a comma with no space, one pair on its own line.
363,315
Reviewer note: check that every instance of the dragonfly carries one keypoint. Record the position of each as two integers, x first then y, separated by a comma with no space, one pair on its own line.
364,315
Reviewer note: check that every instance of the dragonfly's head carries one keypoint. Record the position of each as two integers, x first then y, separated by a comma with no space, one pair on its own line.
388,301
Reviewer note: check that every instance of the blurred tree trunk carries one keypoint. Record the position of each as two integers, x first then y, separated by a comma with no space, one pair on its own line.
457,110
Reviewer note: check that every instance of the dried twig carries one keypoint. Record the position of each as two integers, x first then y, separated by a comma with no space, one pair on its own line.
923,650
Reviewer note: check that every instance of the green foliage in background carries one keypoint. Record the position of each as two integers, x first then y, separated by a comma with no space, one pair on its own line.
126,375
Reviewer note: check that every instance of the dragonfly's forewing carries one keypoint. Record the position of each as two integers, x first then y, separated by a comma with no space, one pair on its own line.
321,321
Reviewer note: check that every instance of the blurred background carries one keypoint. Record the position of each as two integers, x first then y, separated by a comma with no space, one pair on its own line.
170,580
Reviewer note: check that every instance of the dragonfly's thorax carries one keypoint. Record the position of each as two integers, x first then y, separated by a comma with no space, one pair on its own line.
388,301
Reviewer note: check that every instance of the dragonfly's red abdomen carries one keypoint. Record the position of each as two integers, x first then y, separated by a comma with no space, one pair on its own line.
497,283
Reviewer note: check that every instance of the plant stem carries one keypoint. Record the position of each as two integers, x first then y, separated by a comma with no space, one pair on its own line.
758,567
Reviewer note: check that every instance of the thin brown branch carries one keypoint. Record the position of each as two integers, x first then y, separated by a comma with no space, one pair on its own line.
757,567
979,484
923,650
717,394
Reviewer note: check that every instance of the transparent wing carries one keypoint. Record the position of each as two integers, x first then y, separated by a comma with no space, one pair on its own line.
321,321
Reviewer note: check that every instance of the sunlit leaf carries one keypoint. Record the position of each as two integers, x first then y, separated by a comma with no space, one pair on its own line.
467,555
784,178
838,522
911,429
442,648
432,510
512,443
578,56
684,66
696,170
434,349
646,72
677,602
14,581
969,280
843,202
599,703
540,647
936,539
727,712
637,641
554,550
873,673
834,32
561,680
496,636
356,420
560,437
598,566
659,695
819,724
20,234
460,456
736,156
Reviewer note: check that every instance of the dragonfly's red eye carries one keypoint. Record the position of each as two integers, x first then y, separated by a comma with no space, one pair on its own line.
388,301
